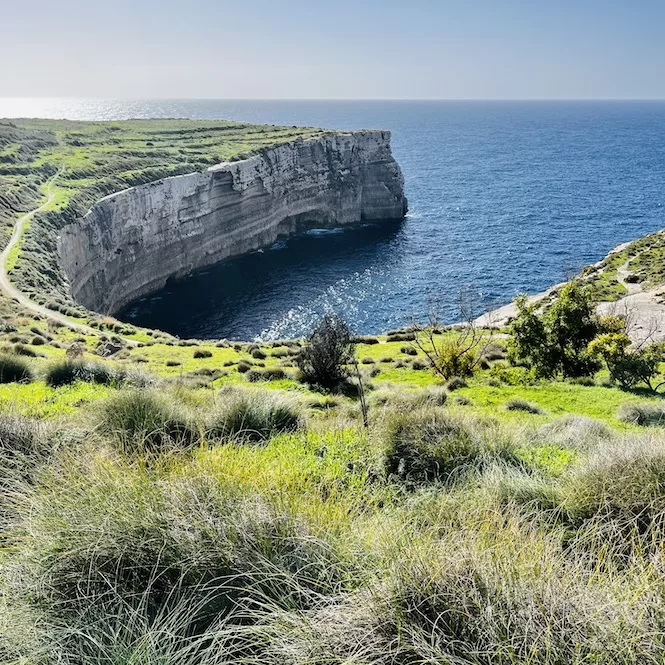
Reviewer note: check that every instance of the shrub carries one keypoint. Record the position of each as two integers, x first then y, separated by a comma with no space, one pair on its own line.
385,359
145,421
202,353
455,358
258,354
455,383
328,350
363,339
255,415
494,351
269,374
66,372
367,360
576,432
173,363
14,369
401,336
519,404
556,342
583,381
432,444
628,366
38,341
642,413
243,366
409,350
418,365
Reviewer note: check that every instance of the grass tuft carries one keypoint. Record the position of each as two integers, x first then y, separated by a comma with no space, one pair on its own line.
254,415
14,369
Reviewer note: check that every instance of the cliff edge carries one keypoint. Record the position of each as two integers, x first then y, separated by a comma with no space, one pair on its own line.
130,243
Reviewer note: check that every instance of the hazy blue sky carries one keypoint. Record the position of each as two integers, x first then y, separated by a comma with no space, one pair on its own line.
345,49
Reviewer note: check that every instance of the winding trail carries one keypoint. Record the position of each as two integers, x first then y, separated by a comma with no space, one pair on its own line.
12,292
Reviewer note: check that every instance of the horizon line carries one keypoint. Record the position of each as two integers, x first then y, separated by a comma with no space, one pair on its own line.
337,99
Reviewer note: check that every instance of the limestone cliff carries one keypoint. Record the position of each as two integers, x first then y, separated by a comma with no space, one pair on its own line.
130,243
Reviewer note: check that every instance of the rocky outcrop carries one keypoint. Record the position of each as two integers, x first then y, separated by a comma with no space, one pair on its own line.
130,243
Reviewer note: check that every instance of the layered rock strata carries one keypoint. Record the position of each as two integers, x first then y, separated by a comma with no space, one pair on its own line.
130,243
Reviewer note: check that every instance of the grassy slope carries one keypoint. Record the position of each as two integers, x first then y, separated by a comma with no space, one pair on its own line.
643,260
326,552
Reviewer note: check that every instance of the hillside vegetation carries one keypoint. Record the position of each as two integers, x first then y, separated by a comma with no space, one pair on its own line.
193,502
454,495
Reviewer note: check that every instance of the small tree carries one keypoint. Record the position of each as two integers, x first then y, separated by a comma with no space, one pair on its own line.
556,342
628,366
459,351
324,358
572,323
529,343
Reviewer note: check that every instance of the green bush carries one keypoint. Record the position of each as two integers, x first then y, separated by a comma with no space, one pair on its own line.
255,415
643,413
455,383
14,369
434,445
202,353
323,360
519,404
586,381
556,341
363,339
146,421
268,374
66,372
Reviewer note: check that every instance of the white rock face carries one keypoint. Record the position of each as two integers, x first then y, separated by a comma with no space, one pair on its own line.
130,243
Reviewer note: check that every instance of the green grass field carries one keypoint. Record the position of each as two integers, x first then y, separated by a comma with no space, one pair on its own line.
162,508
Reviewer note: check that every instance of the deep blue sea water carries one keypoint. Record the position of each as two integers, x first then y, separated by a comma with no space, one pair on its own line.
504,196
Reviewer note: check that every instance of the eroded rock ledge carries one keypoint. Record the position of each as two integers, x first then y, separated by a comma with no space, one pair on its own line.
130,243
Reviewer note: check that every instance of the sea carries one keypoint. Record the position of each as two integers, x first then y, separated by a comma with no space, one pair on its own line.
504,198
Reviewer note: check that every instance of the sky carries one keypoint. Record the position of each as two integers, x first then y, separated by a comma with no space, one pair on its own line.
347,49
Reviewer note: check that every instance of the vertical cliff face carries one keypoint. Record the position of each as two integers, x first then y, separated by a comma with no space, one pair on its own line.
132,242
